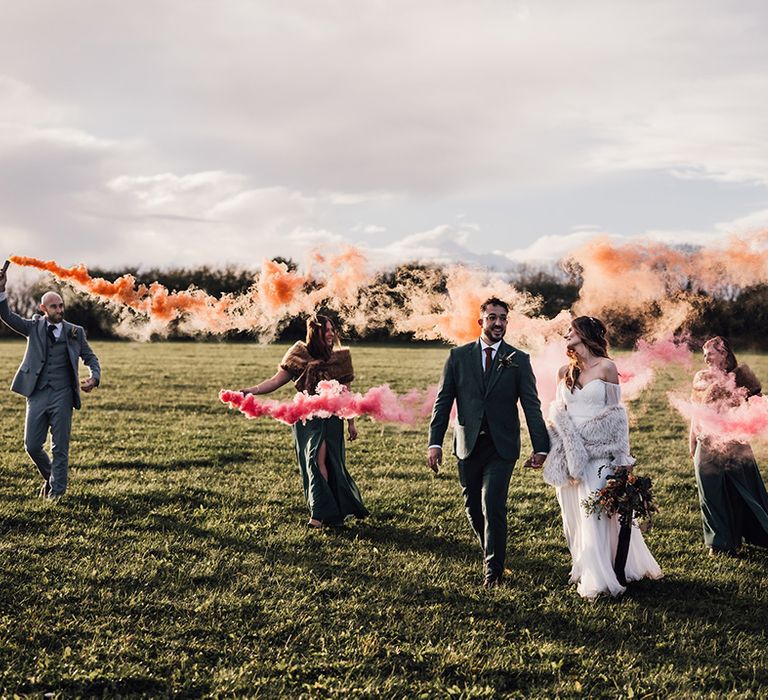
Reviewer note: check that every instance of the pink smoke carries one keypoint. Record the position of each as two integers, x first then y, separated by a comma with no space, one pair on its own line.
637,370
333,399
546,364
744,422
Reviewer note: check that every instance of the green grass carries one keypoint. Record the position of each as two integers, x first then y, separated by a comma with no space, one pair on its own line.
178,564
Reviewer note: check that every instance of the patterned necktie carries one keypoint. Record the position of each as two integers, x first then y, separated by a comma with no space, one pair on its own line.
51,335
488,360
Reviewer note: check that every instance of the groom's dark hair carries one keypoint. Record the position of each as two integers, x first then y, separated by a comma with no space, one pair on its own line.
494,301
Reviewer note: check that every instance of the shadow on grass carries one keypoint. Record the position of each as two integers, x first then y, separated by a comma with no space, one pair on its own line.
139,686
409,539
218,461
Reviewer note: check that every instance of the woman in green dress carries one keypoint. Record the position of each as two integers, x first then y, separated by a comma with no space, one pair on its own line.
330,491
733,499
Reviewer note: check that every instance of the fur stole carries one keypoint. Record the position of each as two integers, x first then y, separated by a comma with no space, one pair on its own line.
308,371
605,436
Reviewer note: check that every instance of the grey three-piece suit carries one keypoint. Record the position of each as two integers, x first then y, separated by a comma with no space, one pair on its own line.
486,435
48,377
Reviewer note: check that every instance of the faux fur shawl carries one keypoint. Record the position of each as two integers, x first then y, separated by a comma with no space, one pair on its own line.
308,371
603,437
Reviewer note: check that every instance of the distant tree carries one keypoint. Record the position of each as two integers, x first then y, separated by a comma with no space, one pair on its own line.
739,313
557,292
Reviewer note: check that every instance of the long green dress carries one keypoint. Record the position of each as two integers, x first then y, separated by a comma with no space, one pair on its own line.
732,495
333,500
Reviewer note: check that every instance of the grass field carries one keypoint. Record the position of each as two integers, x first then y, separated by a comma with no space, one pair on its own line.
178,563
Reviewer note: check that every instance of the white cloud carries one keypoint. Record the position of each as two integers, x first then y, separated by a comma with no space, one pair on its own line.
552,248
443,244
204,132
360,197
415,97
368,229
22,104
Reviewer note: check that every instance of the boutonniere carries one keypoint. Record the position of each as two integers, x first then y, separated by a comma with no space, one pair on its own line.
506,361
73,332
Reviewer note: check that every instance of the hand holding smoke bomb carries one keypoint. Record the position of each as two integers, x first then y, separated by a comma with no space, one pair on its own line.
3,271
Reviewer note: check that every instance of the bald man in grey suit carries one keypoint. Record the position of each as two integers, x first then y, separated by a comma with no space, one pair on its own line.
48,378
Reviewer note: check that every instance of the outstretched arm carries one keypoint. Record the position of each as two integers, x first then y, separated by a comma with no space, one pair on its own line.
280,378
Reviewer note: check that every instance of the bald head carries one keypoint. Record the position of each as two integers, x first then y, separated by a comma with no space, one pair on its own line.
51,298
52,305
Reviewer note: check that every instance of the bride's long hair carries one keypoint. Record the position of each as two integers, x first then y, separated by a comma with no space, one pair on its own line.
721,344
592,333
315,341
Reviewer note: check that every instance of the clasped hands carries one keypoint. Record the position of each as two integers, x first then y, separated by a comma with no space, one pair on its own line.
435,459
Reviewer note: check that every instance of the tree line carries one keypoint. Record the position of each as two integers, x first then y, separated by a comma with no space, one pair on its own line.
741,314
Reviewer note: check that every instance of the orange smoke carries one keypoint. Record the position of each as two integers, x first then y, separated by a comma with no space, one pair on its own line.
278,287
657,283
628,276
154,301
453,315
433,307
633,274
660,283
343,275
277,293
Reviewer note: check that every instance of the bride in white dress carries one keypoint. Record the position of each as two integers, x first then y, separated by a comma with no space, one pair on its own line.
588,429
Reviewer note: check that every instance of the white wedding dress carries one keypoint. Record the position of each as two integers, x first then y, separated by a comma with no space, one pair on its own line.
593,541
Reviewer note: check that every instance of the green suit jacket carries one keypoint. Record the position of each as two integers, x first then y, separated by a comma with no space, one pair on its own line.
510,380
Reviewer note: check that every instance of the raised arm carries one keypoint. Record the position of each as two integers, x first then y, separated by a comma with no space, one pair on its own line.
280,378
15,322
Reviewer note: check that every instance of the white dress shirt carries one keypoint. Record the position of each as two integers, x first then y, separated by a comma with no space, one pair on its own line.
483,346
57,328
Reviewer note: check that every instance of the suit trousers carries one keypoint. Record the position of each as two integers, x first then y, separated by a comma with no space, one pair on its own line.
484,478
50,408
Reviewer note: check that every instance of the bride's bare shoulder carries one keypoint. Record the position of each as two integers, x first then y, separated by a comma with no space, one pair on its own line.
561,372
608,371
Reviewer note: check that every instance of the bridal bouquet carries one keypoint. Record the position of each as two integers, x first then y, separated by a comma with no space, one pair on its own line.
627,495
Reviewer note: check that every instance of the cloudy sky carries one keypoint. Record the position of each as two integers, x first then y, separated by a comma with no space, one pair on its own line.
180,132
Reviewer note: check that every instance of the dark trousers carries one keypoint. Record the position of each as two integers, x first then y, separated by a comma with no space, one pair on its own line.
484,478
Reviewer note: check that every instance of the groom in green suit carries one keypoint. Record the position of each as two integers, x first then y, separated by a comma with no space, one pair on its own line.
487,378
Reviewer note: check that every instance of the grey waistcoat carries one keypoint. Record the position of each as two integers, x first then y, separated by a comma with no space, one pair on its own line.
57,371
